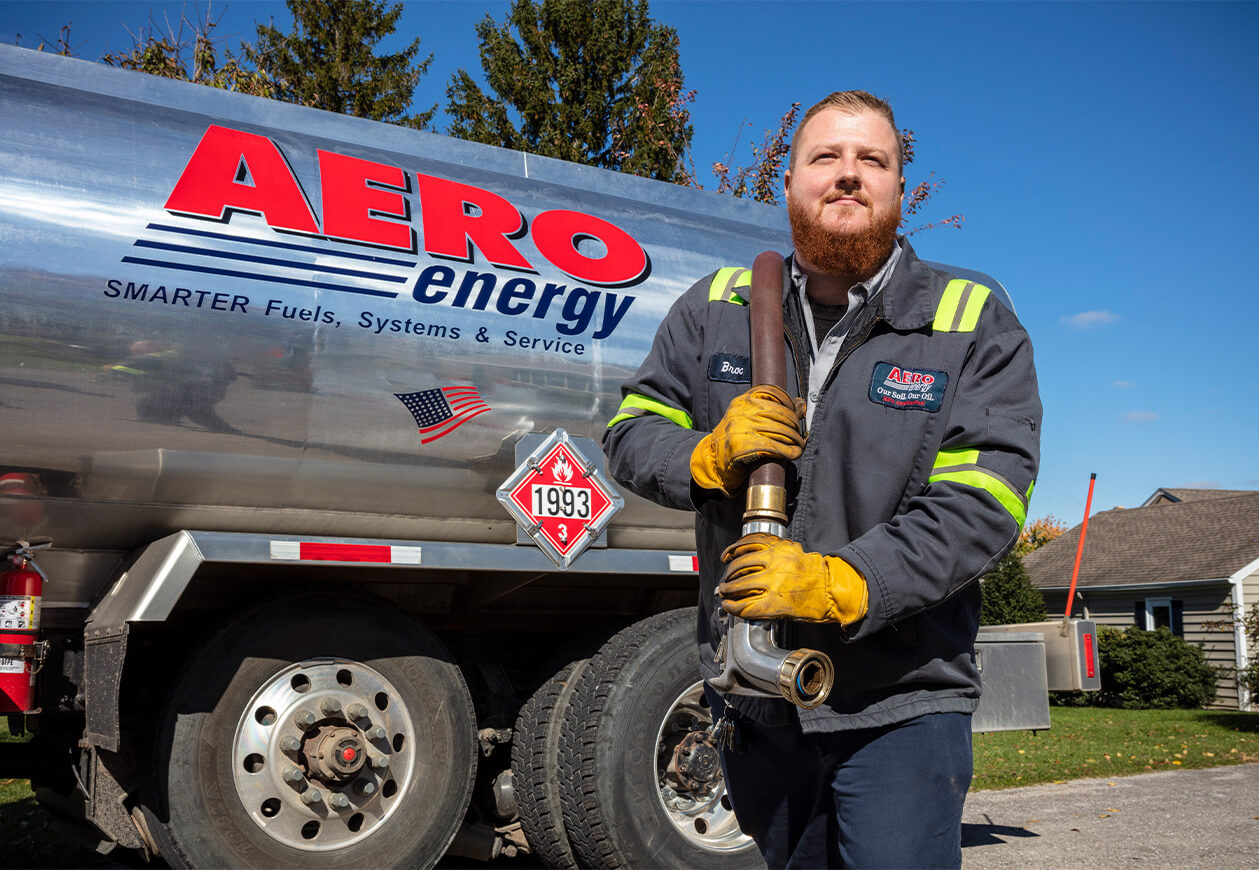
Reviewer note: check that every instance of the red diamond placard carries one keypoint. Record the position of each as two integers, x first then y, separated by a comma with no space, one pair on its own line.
560,499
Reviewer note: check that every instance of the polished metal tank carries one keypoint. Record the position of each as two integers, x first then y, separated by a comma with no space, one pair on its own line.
227,313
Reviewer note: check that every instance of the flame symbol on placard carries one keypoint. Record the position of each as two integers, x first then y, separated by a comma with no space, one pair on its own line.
562,471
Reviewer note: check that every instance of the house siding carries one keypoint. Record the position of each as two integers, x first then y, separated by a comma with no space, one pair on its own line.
1250,590
1203,604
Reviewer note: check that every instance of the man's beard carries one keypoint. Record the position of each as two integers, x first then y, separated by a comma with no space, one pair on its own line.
859,253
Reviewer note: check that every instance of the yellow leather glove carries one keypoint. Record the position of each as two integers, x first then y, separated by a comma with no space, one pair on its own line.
763,423
770,578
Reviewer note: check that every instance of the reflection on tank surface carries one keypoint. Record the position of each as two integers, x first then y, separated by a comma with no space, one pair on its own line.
22,516
284,367
170,386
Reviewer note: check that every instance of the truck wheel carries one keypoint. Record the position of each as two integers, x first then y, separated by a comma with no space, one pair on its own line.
317,732
642,784
535,765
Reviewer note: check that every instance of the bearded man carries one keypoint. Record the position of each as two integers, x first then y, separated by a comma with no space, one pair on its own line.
918,395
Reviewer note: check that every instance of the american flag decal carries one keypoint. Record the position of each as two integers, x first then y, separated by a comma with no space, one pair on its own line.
442,411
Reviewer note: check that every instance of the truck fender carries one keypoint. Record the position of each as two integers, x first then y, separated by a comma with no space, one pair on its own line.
146,591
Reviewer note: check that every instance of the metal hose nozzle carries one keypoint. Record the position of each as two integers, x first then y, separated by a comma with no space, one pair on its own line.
751,663
755,665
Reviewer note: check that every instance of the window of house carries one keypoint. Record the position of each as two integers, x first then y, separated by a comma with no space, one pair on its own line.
1155,613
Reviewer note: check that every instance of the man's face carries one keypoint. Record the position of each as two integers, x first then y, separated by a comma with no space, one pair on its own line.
844,191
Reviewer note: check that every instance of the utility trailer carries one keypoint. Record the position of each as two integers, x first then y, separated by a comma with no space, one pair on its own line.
263,370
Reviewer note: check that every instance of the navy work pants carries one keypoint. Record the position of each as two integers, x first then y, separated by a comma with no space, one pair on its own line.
877,797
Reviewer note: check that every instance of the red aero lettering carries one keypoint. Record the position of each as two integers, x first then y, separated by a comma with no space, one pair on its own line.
449,231
211,183
557,232
1090,666
354,190
232,170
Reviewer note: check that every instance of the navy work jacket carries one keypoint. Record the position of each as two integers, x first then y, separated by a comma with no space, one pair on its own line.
917,471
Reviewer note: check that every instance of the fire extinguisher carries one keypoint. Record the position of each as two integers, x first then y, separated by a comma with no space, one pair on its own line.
21,652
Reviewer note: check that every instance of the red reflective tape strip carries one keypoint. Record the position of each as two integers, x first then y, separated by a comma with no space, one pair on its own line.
317,551
684,563
312,552
1090,667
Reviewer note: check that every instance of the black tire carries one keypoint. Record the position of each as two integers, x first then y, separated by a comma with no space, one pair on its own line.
199,802
535,765
614,735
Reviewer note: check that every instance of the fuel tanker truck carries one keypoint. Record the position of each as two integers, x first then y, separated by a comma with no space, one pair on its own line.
310,557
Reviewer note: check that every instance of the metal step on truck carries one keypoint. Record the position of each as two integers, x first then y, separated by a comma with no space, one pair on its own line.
311,559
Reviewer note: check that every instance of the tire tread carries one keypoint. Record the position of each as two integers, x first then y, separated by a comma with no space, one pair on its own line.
589,829
534,762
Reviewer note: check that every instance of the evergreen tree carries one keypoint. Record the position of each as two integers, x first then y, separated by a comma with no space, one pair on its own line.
1009,596
591,81
329,61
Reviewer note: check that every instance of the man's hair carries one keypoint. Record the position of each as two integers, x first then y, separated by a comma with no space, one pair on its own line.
851,103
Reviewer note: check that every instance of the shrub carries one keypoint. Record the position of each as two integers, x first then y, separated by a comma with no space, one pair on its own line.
1249,678
1009,596
1152,670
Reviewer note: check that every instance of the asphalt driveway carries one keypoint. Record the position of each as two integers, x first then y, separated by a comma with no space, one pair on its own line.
1182,818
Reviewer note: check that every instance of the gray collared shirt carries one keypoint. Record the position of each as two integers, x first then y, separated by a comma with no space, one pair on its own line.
824,353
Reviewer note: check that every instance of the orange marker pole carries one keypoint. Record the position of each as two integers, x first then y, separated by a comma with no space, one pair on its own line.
1079,550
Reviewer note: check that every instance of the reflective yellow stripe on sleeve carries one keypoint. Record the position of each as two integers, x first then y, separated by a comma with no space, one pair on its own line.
636,404
960,305
726,281
961,466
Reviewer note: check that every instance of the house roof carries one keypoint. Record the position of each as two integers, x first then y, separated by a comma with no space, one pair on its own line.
1208,538
1166,495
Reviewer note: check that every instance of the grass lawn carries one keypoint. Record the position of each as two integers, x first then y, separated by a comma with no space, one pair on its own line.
1091,741
24,833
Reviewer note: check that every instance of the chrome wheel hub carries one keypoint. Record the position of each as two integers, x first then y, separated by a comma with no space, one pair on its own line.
688,771
321,754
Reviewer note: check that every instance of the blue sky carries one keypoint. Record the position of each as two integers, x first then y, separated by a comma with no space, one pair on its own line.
1099,153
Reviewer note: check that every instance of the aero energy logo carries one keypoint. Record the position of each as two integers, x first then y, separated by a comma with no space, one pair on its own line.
908,389
365,246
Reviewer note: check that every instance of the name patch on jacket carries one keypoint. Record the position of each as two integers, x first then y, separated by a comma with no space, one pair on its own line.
907,389
730,368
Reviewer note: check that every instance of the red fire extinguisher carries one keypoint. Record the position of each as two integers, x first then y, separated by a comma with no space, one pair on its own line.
21,587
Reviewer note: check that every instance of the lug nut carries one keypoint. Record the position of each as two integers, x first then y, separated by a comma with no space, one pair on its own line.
338,801
292,775
380,762
357,711
365,786
304,719
311,796
289,743
376,732
330,706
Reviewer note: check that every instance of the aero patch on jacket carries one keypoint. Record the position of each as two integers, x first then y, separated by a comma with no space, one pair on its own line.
907,389
730,368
